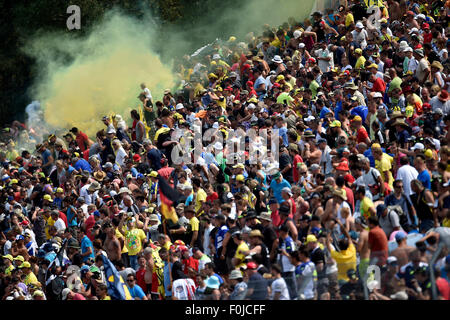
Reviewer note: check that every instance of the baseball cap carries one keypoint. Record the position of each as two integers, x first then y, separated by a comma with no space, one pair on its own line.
310,238
251,266
26,264
399,236
418,146
8,256
392,260
213,282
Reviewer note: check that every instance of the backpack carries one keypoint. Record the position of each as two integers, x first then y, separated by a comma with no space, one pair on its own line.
403,219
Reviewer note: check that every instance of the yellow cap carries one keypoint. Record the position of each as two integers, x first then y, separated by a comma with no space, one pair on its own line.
240,177
59,190
310,238
48,198
357,118
428,153
13,181
26,264
20,258
376,146
9,257
359,51
153,174
335,123
373,65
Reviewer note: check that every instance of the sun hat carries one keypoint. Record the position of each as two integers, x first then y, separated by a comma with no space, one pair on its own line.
277,59
235,274
340,193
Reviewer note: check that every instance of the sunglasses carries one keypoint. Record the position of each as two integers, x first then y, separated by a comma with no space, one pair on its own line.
129,280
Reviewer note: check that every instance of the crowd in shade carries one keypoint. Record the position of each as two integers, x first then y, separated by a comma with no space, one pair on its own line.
351,202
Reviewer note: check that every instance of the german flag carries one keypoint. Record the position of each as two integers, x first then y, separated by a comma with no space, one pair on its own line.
169,196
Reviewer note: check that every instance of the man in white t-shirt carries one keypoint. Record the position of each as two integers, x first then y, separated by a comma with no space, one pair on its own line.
360,35
306,275
146,91
279,288
371,175
183,289
406,173
59,223
324,57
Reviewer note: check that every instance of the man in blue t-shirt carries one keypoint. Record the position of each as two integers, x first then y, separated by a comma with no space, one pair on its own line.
80,163
135,290
87,248
424,175
277,184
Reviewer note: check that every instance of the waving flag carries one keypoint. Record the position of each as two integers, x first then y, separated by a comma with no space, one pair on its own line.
169,196
116,286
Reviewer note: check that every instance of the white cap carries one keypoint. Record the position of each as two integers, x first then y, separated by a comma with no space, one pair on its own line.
391,259
418,146
251,106
301,45
310,118
215,125
179,106
111,130
64,293
377,95
216,56
420,16
408,49
400,295
297,34
359,25
413,30
218,146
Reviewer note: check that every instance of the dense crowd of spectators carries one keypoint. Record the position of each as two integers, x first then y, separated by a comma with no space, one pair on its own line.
354,204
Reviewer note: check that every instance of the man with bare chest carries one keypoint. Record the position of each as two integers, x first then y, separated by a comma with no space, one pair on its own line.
362,246
112,244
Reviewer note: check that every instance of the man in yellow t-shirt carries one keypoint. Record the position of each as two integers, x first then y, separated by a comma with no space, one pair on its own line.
242,250
346,257
383,163
30,277
199,196
135,239
366,206
193,228
360,60
8,262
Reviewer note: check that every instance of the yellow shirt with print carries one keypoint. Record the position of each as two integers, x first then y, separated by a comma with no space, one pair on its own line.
49,223
349,19
360,62
276,43
9,269
241,253
385,164
120,236
365,205
345,260
30,278
133,240
199,198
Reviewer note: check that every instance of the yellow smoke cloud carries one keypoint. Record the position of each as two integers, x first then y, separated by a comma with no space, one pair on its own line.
103,77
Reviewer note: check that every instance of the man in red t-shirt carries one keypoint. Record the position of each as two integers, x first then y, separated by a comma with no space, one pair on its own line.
165,171
378,242
140,274
378,84
189,263
297,160
361,132
211,194
81,138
